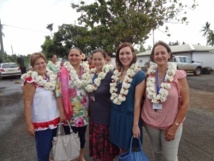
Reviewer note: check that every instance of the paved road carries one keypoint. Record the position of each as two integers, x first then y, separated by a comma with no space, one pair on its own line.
197,142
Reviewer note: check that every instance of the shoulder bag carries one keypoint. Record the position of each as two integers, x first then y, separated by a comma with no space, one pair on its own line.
65,147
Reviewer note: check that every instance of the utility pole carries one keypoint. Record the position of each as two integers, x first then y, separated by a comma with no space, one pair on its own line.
1,42
153,34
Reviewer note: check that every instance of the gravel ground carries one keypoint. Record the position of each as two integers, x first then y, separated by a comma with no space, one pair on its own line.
197,143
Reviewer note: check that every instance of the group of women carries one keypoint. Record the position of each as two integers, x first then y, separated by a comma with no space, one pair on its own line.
110,100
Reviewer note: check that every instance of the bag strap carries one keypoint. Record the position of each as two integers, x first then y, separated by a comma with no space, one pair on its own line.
59,129
140,145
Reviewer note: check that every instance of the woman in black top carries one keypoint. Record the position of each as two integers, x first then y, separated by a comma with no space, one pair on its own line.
100,147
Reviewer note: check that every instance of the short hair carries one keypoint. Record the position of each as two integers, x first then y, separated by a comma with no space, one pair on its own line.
100,51
36,56
162,44
125,44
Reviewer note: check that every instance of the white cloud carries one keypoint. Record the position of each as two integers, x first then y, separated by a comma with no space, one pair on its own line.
25,22
191,33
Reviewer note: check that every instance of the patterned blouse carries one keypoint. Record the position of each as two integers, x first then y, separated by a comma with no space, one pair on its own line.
54,67
79,101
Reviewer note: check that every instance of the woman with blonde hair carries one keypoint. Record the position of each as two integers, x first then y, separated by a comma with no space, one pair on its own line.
40,106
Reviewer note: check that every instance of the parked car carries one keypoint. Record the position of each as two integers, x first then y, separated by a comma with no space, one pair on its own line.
9,69
189,65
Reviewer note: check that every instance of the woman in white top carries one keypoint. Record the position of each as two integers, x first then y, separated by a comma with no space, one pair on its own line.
40,107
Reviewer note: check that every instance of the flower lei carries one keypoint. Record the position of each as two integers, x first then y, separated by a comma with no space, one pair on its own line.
39,80
92,87
73,74
118,98
165,86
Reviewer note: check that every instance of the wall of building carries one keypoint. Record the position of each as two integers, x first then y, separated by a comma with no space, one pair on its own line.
207,58
141,60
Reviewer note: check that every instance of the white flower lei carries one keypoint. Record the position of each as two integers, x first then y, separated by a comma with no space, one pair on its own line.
118,98
73,74
40,81
165,86
92,87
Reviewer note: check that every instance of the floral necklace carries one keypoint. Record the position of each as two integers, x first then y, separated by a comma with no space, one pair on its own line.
73,74
93,86
165,85
118,98
39,80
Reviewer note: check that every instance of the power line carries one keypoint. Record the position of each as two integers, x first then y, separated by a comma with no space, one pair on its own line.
22,28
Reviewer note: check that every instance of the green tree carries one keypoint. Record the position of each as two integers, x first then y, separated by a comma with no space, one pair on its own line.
50,27
208,33
116,21
52,46
66,37
206,29
174,43
210,38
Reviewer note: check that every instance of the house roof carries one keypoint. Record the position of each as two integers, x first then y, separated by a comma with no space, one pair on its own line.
183,48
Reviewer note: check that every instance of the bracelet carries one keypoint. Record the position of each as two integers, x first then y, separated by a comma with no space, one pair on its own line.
177,124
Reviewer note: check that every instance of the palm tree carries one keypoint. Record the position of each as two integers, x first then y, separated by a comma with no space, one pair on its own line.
210,38
208,33
206,29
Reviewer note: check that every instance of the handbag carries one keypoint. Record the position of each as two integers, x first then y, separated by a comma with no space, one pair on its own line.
65,147
134,155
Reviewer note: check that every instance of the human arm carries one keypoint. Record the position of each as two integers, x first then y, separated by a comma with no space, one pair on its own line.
28,94
139,90
59,101
61,109
184,91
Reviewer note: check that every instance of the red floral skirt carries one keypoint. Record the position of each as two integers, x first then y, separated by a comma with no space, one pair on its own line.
100,147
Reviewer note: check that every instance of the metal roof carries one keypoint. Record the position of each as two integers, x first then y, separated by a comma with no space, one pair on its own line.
183,48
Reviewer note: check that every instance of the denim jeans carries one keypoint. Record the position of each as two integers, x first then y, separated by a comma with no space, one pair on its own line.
44,143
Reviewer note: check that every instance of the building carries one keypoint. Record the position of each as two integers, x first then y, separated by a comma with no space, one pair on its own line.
200,53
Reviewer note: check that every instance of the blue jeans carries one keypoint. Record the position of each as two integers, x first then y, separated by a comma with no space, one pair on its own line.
44,143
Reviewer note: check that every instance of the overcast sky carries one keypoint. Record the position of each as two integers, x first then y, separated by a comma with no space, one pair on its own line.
24,23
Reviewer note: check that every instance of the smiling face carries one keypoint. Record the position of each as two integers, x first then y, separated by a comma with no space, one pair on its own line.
75,57
40,66
161,55
98,60
126,56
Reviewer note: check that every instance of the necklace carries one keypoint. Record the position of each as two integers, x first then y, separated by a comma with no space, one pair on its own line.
78,82
120,97
33,76
93,86
152,94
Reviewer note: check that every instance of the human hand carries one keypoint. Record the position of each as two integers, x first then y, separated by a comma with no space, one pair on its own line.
170,133
30,129
62,117
136,131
